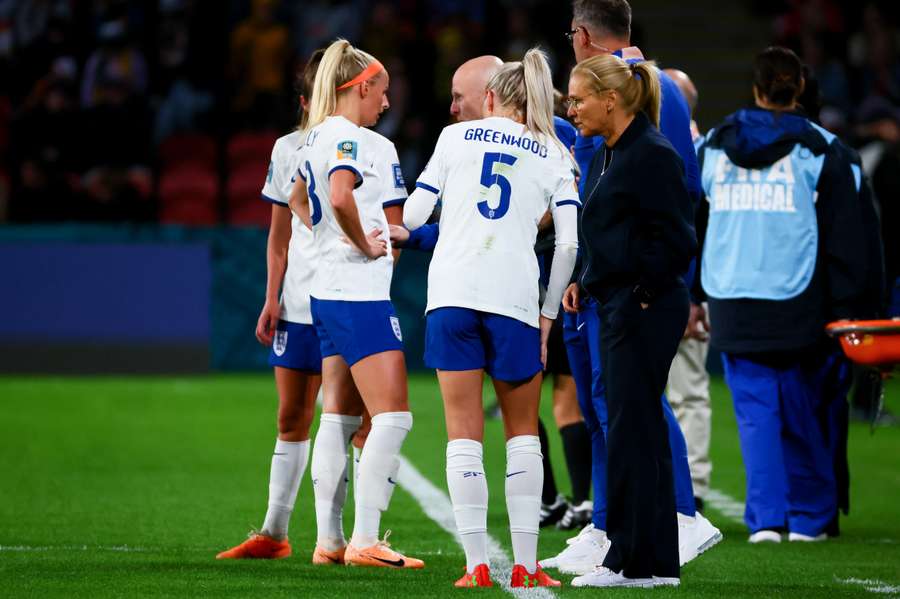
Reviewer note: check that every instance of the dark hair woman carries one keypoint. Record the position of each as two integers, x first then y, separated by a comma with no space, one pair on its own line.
785,250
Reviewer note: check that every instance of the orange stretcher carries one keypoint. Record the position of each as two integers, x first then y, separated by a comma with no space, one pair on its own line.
874,343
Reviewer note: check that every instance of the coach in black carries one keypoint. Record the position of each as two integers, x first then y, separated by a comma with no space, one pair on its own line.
638,238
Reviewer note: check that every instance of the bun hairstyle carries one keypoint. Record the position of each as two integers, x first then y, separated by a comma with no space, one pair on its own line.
303,85
636,83
527,88
778,76
340,63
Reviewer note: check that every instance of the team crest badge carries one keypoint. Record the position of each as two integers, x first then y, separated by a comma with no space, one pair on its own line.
346,150
395,324
279,344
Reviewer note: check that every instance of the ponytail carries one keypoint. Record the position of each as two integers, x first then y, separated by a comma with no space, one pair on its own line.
340,63
527,88
636,83
648,94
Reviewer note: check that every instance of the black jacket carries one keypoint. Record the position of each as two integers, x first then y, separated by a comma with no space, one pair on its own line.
637,222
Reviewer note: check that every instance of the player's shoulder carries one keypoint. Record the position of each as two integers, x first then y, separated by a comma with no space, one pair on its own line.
379,142
288,144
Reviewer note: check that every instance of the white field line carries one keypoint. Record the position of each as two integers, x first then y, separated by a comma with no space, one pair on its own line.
725,504
437,506
40,548
873,586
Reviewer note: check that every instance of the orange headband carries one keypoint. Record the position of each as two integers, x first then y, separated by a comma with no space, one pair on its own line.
370,71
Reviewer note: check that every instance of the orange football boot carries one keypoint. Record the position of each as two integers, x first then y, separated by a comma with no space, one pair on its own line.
258,547
380,555
521,578
480,577
323,557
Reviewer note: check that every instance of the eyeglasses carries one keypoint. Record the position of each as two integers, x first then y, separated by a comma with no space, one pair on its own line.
575,103
570,35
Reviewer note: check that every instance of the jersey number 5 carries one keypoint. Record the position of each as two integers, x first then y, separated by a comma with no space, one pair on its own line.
490,178
316,215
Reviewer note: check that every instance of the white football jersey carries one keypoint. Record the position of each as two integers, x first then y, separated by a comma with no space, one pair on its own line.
342,271
301,251
495,181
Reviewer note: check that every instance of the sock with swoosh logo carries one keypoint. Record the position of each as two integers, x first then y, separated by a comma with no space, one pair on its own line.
378,466
288,464
524,479
469,496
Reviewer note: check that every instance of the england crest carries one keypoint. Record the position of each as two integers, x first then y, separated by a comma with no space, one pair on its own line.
395,324
279,344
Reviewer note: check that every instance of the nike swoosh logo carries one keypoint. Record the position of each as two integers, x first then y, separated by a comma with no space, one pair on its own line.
279,453
392,481
515,473
398,563
578,328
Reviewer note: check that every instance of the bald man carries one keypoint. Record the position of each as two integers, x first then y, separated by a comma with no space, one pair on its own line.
469,84
689,91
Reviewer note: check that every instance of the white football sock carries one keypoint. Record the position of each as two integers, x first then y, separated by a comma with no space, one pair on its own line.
329,475
524,479
377,468
357,451
469,496
288,464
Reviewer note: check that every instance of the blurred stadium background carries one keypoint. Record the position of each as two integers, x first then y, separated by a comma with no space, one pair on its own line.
134,141
135,136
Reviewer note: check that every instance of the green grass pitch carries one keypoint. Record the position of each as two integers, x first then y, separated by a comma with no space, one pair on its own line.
120,487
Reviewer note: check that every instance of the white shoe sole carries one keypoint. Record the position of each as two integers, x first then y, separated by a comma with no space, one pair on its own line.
662,581
635,583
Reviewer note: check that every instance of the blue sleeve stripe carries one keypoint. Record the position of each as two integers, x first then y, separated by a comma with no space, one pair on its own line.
427,187
272,200
575,203
347,167
394,202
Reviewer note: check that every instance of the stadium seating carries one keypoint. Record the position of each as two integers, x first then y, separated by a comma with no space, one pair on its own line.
244,206
249,148
189,148
188,195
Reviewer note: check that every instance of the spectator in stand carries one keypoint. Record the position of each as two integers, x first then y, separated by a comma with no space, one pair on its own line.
259,66
115,60
44,147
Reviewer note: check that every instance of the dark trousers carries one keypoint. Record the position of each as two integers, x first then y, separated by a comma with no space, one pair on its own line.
637,347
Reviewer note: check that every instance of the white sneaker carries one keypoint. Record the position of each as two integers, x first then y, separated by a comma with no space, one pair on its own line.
584,551
604,577
664,581
695,535
795,537
765,536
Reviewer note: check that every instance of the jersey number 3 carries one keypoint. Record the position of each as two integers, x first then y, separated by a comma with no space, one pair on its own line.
316,214
489,178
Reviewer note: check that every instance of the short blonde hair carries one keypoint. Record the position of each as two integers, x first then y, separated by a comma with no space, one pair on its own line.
636,83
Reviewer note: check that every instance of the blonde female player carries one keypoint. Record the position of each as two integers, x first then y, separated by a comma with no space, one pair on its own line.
497,177
350,294
295,355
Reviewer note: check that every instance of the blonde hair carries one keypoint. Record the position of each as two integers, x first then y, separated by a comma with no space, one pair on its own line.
340,63
636,83
527,87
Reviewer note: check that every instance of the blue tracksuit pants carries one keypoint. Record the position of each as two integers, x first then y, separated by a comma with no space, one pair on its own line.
581,334
788,460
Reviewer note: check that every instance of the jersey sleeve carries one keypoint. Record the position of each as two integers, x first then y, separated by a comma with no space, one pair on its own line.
434,176
565,190
276,189
388,165
348,152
